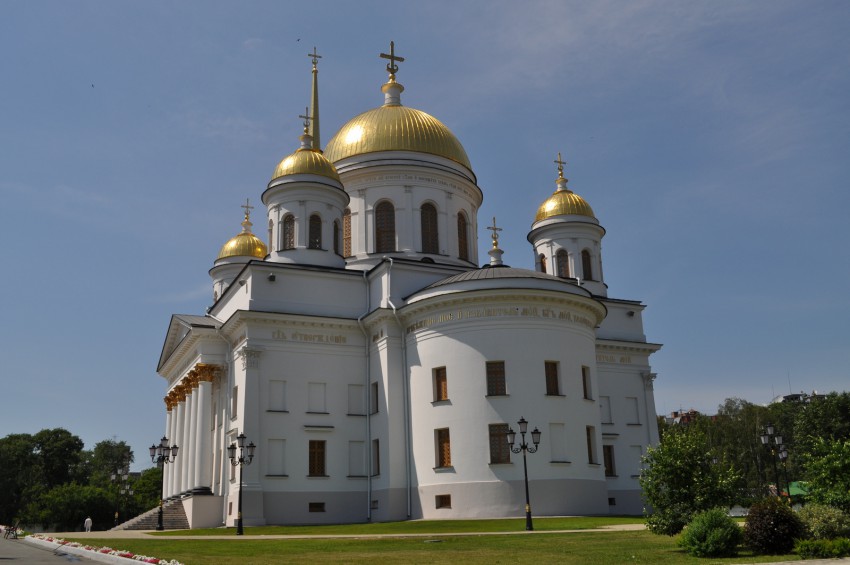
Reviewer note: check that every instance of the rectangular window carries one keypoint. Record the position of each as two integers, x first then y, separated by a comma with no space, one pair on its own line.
500,451
443,501
376,457
585,382
277,396
558,442
317,458
632,413
590,432
605,409
316,506
608,459
441,384
275,458
356,400
316,398
356,459
444,447
234,402
373,398
552,385
496,378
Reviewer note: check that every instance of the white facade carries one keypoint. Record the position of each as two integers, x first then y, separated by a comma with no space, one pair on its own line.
377,383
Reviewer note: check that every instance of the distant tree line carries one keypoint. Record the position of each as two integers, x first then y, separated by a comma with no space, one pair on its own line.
49,480
717,460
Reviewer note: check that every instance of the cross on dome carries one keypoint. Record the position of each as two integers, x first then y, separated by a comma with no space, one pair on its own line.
247,206
392,68
495,231
315,56
306,117
561,164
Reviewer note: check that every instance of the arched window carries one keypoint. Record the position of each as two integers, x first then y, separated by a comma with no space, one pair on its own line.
315,237
542,259
384,227
288,232
563,268
430,241
462,242
586,268
346,233
271,231
336,237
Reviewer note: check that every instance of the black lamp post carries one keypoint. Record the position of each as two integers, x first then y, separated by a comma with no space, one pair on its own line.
783,456
242,460
121,478
162,454
776,447
524,447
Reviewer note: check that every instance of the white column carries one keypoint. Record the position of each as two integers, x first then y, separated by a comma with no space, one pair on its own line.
203,464
192,425
174,479
187,443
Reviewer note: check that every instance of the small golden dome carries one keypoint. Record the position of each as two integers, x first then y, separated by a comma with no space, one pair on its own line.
395,128
564,202
306,161
244,244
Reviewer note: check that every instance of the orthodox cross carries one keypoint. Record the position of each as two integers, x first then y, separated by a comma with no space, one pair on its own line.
495,231
392,68
247,206
561,164
315,56
306,117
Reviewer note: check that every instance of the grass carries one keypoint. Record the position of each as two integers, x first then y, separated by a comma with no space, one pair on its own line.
482,544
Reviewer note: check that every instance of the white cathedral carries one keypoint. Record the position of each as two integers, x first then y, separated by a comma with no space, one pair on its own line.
377,367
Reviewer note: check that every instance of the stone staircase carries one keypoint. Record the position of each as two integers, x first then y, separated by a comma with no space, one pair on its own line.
173,518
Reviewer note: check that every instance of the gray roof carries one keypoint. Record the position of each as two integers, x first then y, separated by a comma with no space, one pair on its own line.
505,272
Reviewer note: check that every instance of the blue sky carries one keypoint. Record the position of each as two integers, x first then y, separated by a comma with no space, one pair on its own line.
710,138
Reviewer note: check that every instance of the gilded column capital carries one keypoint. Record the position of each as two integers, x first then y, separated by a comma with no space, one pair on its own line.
207,372
169,404
179,392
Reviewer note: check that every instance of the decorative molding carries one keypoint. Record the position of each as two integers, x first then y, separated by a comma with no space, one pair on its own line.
648,379
250,357
207,372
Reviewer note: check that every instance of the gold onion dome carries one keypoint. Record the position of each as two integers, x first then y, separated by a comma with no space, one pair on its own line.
564,201
244,244
306,161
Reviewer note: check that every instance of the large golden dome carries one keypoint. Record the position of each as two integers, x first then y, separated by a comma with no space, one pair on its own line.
395,128
244,244
306,161
564,202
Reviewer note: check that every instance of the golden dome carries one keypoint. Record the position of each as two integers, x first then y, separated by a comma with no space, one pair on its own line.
306,161
395,128
245,244
564,202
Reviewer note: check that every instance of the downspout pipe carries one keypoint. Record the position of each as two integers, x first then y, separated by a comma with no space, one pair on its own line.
367,388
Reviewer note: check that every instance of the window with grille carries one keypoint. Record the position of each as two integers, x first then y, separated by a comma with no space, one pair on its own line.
443,501
462,239
317,458
315,236
590,432
586,268
441,384
563,263
608,459
552,385
444,447
288,232
496,378
346,233
542,263
430,241
384,227
500,449
336,237
585,383
271,237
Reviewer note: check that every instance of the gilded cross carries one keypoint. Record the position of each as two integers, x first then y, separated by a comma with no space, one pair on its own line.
495,231
392,68
315,56
247,206
306,117
561,164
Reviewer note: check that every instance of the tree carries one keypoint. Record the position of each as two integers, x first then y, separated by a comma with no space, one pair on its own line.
681,479
66,506
827,468
16,476
58,454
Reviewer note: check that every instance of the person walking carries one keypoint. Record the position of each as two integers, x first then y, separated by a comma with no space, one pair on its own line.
87,523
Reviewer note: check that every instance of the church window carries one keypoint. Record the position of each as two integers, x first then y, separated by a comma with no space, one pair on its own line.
443,501
430,241
317,458
462,239
444,448
496,378
346,233
376,457
316,506
542,263
441,384
271,231
336,237
500,449
552,385
315,238
608,459
586,267
384,227
288,232
561,258
590,433
585,383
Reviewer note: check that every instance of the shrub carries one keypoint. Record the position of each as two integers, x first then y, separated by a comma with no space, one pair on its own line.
823,549
824,522
772,527
711,534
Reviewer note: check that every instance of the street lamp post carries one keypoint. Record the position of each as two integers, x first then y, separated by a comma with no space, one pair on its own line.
162,454
776,447
242,460
121,478
524,447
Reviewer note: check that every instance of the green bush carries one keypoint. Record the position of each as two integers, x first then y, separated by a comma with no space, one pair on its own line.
711,534
772,527
824,522
823,548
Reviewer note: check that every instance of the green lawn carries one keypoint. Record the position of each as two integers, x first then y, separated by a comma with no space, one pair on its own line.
585,548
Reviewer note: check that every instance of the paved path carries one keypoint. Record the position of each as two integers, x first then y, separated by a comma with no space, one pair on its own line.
19,551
